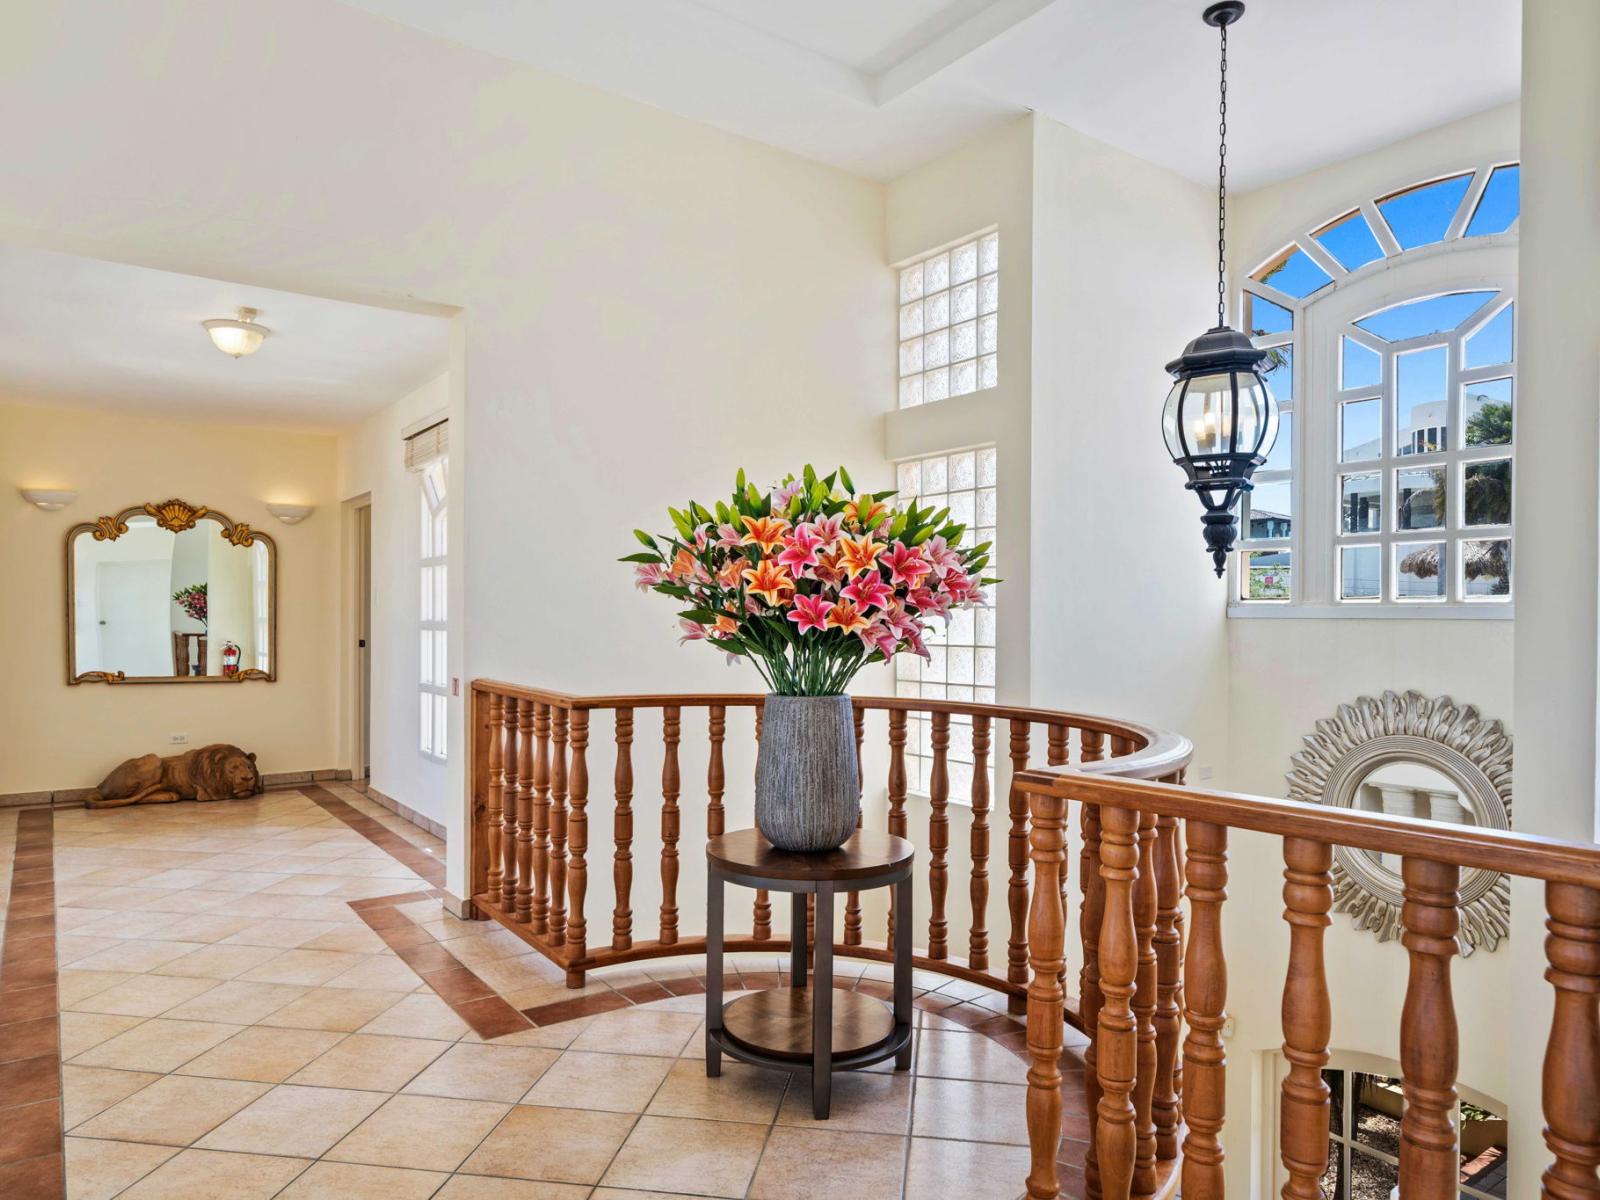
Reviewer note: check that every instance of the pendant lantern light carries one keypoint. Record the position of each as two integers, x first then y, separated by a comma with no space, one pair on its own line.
1220,419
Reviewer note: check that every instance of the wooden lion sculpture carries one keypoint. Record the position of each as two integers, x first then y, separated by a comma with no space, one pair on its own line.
219,772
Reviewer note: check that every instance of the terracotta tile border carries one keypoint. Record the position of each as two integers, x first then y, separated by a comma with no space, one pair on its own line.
424,864
32,1166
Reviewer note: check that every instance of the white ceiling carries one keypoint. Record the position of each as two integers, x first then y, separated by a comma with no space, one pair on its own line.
96,334
879,86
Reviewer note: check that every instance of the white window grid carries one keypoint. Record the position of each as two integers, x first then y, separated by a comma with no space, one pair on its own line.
434,673
950,322
261,605
962,652
1328,398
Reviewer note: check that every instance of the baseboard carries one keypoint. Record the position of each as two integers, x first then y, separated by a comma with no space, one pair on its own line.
405,812
78,796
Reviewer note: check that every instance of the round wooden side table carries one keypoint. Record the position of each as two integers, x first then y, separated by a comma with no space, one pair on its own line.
829,1028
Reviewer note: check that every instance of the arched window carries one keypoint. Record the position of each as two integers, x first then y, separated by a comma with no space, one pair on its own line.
1392,332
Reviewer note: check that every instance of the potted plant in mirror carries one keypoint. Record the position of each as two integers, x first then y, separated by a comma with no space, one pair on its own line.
810,582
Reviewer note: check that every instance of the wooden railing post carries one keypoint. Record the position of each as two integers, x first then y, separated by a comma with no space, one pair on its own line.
508,825
716,782
1144,1009
1091,911
539,910
578,837
622,835
1169,968
1046,944
1116,1050
524,777
1307,1018
897,792
494,809
1205,994
1428,1037
1017,859
939,837
852,900
670,825
558,825
1572,1055
761,919
978,932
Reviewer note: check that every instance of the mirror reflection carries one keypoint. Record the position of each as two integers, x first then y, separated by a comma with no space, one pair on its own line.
1411,789
154,603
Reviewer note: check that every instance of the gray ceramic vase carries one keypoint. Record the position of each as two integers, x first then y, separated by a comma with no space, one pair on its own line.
806,796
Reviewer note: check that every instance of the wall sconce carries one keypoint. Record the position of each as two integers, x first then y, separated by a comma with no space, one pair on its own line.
290,514
46,500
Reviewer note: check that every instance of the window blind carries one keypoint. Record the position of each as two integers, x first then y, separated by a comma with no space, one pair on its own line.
427,446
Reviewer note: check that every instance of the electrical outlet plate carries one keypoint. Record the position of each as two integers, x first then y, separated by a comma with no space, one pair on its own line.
177,739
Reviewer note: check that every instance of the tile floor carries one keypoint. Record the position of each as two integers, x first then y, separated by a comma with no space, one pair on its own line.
235,1019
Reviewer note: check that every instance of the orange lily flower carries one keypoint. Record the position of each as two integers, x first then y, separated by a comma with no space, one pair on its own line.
725,626
683,565
861,553
765,532
770,581
728,573
846,616
862,510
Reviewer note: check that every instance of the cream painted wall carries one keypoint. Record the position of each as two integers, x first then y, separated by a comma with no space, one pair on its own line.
58,736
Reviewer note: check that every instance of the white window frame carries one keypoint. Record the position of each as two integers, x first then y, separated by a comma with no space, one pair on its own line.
915,381
261,605
1453,264
433,549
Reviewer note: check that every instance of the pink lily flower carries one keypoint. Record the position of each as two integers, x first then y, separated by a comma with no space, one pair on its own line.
878,636
916,645
810,612
869,591
728,537
899,620
941,557
786,493
827,530
930,603
692,631
906,565
963,588
800,550
647,575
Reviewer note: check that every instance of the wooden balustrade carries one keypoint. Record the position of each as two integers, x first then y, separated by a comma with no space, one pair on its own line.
1146,841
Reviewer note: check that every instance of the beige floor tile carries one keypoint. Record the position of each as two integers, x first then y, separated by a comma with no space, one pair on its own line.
299,1121
481,1187
309,968
938,1170
342,1009
207,928
421,1015
98,1170
207,1175
700,1158
979,1112
87,1091
798,1164
283,932
863,1102
967,1056
236,1003
144,995
355,939
490,1072
80,1031
75,985
556,1037
606,1193
740,1093
363,1060
378,972
172,1111
638,1031
262,1054
621,1083
427,1133
157,1045
219,961
521,971
136,956
558,1145
348,1181
75,947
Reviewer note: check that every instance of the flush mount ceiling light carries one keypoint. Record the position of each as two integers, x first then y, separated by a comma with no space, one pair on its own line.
290,514
237,336
1220,420
47,500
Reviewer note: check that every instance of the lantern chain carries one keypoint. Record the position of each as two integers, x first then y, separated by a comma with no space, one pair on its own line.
1222,184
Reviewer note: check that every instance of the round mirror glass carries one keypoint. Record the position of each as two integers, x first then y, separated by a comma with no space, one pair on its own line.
1410,789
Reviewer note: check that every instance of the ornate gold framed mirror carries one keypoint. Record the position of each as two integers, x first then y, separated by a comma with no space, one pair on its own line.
171,593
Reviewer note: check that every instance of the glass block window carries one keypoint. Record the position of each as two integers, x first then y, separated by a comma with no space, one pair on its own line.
261,603
950,322
434,666
961,662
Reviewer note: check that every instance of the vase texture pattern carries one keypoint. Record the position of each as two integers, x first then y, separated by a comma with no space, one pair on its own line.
806,792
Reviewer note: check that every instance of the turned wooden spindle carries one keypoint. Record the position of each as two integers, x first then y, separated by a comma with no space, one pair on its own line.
1572,1055
1091,911
1169,968
938,836
622,834
1058,753
1091,745
1017,860
539,911
1205,994
978,933
897,790
1428,1040
578,841
1046,944
1307,1018
508,822
524,898
558,825
761,921
1116,1135
716,781
494,800
852,900
670,824
1144,1009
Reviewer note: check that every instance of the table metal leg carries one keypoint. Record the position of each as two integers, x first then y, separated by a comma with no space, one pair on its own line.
797,939
714,890
903,925
821,1004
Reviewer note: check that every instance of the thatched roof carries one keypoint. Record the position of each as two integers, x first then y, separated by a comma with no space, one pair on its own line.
1483,559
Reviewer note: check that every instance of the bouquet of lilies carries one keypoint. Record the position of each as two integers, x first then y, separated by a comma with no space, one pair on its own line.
811,581
192,600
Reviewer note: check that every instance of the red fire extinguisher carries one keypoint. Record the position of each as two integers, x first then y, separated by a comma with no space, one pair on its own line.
230,659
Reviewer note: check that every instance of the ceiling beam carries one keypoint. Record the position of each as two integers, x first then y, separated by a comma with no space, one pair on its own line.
952,46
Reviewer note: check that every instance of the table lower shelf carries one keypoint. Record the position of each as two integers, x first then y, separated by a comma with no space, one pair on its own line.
773,1028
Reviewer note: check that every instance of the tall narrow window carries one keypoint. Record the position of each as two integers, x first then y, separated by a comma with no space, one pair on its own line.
950,322
961,651
261,603
434,662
